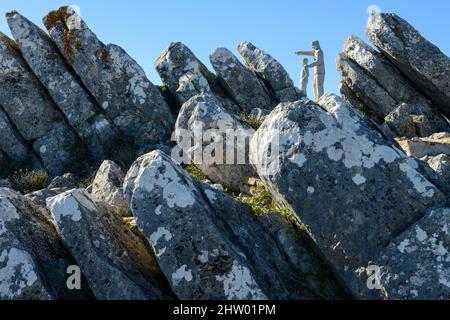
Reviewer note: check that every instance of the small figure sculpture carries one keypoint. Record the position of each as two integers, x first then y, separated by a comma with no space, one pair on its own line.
319,68
305,77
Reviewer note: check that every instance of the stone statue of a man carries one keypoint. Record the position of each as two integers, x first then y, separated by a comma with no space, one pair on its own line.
319,68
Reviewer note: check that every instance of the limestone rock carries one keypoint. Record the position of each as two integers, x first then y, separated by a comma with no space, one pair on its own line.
185,76
437,170
415,264
116,263
34,114
33,261
107,188
205,112
209,245
245,88
14,147
367,89
81,111
115,80
438,143
410,121
352,189
421,61
57,186
271,71
387,92
67,181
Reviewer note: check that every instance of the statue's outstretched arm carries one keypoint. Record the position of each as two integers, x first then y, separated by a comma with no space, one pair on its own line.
305,53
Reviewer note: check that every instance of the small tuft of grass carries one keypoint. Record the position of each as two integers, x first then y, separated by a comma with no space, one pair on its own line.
251,121
261,203
196,172
27,181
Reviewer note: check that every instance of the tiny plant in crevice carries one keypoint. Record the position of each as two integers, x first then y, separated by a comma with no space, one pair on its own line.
196,172
27,181
253,122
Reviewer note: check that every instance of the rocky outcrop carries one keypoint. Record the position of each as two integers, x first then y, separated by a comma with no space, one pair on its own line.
185,76
386,92
33,261
107,188
117,264
208,245
340,212
351,194
245,88
415,264
271,71
116,81
221,150
418,59
79,108
33,113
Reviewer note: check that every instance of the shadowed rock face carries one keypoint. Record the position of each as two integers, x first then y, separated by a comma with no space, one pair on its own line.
33,261
209,245
34,115
418,59
80,110
14,147
271,71
115,80
352,189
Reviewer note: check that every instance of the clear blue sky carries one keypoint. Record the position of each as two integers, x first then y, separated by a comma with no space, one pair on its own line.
280,27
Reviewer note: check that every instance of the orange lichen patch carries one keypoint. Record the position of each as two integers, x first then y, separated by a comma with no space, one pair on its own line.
104,55
56,16
97,53
11,13
78,46
4,38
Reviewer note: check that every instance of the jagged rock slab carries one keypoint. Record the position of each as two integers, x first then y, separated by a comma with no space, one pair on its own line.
185,76
244,87
117,82
367,89
416,264
206,113
107,188
271,71
33,261
209,245
81,111
116,263
34,115
438,143
421,61
353,190
397,87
